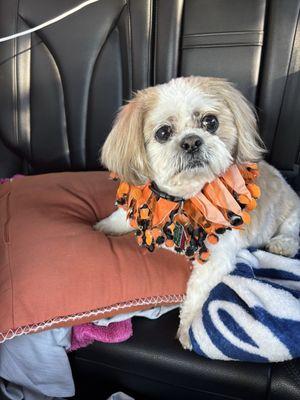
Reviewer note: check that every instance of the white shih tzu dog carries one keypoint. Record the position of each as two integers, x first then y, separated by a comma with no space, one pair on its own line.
181,135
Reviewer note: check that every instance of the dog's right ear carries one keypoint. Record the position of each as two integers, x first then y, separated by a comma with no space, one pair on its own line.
124,149
250,146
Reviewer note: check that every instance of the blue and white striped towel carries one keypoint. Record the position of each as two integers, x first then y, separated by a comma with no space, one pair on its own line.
254,313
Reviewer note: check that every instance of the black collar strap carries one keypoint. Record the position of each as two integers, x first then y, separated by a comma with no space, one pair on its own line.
164,195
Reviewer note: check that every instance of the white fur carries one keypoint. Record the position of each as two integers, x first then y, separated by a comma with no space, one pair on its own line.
116,224
176,104
274,224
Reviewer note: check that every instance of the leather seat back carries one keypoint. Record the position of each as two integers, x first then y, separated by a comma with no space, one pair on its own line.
61,87
254,44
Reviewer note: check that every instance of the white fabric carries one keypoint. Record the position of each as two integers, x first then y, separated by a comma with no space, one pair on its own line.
120,396
11,391
36,366
152,313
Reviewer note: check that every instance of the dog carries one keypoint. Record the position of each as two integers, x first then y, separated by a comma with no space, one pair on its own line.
181,135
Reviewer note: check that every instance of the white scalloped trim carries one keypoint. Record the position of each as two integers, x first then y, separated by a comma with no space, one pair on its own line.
25,330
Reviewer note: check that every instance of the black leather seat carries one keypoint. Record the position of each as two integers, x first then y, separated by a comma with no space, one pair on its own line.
59,91
152,365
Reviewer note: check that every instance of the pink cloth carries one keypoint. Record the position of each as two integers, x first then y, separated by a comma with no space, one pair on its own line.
85,334
3,180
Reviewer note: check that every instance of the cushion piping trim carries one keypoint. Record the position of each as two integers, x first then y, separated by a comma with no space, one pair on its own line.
27,329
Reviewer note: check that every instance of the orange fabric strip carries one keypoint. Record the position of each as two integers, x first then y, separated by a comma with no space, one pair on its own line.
217,193
163,208
235,181
221,204
209,210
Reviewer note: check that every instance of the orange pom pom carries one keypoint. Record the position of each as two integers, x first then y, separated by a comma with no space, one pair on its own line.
204,256
243,199
169,243
172,227
144,213
252,166
148,237
155,233
254,190
252,205
246,217
212,239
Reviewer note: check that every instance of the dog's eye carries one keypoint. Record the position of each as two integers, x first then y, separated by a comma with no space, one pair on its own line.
163,133
210,123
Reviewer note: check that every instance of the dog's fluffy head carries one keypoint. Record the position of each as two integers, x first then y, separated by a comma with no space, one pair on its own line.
182,134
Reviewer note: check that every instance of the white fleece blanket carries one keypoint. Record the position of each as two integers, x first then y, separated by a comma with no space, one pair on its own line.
254,313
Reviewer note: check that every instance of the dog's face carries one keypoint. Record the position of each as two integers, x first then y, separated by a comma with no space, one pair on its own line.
182,134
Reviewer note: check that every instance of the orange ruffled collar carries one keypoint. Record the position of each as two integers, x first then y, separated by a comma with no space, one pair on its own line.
188,225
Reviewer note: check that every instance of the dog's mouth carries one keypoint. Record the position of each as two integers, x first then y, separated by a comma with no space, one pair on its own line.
192,164
196,163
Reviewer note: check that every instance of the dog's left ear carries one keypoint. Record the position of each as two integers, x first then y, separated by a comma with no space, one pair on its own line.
124,150
250,146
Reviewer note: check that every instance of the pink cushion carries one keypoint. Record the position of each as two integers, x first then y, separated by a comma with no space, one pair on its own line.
55,270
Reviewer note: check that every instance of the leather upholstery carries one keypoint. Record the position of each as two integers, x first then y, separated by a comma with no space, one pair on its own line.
162,370
167,38
60,90
61,87
224,43
60,96
279,83
152,365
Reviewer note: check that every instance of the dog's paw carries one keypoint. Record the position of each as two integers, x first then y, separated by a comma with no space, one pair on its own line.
283,245
105,226
114,225
184,337
100,226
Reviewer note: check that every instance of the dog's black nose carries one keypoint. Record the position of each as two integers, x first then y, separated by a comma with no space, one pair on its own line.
191,143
